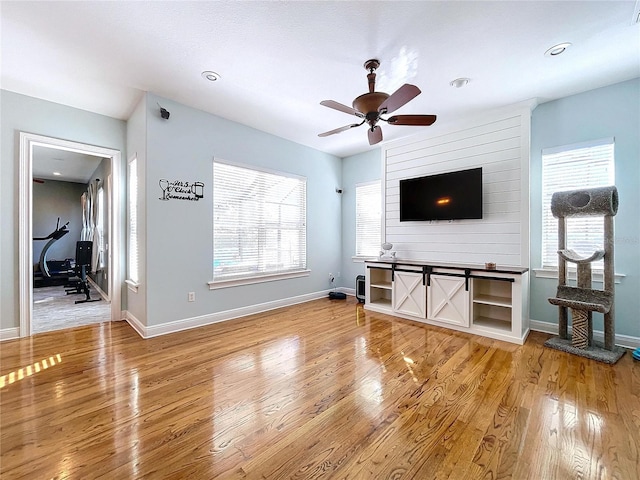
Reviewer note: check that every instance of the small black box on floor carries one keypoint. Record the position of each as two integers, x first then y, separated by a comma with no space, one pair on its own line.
360,286
337,295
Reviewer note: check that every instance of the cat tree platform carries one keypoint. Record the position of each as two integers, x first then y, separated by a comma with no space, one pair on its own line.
583,301
596,351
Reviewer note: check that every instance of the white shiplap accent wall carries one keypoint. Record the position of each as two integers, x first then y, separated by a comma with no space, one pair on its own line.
499,143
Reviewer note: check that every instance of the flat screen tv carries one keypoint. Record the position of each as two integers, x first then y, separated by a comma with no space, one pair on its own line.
446,196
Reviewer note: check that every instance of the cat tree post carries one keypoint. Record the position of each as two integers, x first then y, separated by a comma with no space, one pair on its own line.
609,283
562,276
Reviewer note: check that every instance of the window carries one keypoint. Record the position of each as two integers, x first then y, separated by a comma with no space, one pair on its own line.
259,224
100,227
368,212
133,221
585,165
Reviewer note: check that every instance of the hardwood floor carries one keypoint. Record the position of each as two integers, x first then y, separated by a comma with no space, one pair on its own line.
318,390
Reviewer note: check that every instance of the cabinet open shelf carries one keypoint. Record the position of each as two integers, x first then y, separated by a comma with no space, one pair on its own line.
491,315
492,323
382,302
492,300
383,285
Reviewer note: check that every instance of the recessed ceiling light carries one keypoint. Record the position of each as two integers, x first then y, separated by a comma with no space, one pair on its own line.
211,76
459,82
557,49
57,174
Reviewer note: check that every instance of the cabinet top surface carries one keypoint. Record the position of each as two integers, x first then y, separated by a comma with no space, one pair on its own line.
456,266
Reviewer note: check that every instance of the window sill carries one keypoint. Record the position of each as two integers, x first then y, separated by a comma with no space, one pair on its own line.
362,259
596,275
216,284
131,285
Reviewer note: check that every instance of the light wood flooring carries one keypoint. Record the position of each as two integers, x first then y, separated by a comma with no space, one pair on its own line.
323,389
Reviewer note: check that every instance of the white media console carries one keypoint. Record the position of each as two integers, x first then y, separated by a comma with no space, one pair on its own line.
468,298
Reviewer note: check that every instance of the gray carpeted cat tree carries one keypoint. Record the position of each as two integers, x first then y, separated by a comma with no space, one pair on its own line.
582,299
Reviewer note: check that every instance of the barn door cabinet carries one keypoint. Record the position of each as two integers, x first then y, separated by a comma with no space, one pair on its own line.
468,298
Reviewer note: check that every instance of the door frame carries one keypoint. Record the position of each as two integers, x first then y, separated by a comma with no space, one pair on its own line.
27,142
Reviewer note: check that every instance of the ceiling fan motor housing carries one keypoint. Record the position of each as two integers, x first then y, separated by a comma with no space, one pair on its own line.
369,103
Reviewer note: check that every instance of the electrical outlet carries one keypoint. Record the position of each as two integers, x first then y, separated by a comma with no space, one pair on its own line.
331,278
192,296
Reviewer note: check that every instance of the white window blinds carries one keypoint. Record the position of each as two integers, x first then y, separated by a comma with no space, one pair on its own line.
368,213
585,165
259,224
133,220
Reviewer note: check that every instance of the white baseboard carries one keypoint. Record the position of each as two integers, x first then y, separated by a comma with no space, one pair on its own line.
136,324
544,327
348,291
202,320
9,333
626,341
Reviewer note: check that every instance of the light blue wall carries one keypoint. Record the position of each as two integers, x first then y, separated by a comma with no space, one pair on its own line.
361,168
612,111
180,233
19,113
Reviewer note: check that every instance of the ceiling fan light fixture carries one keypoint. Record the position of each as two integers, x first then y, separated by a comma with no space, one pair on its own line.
210,76
460,82
370,106
557,49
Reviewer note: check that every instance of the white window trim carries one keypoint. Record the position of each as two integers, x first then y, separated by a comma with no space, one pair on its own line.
217,284
363,258
260,169
133,284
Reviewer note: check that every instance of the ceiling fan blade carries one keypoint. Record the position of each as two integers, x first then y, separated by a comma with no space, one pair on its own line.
398,98
425,120
375,135
338,130
341,107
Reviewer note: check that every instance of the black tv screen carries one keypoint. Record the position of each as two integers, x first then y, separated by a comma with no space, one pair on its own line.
446,196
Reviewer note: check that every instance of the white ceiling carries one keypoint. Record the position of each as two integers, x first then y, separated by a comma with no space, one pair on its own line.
63,165
278,60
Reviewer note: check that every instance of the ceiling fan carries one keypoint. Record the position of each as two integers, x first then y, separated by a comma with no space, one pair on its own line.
372,105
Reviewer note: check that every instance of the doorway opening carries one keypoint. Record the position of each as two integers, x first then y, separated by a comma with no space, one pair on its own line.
98,228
